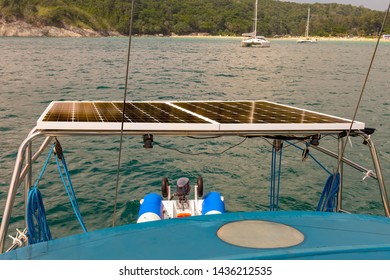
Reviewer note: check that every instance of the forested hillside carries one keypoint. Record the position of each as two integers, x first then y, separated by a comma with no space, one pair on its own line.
216,17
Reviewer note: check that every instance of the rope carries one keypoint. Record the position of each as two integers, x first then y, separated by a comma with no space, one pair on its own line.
329,194
69,189
311,156
36,211
123,114
45,165
328,197
35,207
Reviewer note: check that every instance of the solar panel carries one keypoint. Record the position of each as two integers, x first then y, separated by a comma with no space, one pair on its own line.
135,112
253,112
187,116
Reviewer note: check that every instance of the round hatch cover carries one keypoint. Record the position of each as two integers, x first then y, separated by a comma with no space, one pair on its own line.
260,234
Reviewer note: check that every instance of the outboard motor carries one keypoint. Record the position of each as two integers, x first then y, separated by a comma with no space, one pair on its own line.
213,203
154,208
151,208
183,188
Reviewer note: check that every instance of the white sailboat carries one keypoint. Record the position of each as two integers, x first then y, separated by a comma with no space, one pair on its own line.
252,39
307,39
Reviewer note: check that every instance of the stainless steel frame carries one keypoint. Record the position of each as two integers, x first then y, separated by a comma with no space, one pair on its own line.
21,172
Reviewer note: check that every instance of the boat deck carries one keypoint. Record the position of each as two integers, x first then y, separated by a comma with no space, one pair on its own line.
316,235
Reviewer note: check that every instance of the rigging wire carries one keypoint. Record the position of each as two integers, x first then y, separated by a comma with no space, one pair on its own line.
123,114
310,155
367,75
207,137
361,94
202,153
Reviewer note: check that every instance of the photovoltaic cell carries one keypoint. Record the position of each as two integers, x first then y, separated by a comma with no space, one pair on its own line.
136,112
187,115
256,112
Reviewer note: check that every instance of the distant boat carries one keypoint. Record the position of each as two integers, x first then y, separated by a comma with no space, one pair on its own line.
253,40
307,38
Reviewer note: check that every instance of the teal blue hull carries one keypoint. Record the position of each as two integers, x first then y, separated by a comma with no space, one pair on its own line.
326,236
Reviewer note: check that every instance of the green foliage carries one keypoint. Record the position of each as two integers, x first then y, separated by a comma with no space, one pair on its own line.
67,15
216,17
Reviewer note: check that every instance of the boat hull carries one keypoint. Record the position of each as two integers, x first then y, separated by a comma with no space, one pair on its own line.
305,41
259,42
323,236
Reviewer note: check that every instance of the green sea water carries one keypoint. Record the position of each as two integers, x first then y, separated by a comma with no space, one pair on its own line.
326,77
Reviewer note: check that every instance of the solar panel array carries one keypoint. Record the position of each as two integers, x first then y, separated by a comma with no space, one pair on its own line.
202,114
136,112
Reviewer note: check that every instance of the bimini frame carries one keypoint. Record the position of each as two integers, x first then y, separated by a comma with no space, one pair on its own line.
25,155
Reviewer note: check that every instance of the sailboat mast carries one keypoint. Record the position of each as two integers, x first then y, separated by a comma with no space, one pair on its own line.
255,20
307,23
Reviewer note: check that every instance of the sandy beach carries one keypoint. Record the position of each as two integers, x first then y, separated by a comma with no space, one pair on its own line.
290,38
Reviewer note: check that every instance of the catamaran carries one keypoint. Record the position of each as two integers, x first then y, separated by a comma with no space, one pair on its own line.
253,40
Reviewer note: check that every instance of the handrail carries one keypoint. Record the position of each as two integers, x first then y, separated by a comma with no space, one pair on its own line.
376,175
346,161
15,182
34,157
381,181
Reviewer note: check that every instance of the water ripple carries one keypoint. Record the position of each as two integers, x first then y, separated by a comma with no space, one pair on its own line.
35,71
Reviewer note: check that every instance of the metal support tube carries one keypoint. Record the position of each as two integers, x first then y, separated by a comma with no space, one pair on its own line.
341,172
45,143
28,179
27,171
14,187
378,170
346,161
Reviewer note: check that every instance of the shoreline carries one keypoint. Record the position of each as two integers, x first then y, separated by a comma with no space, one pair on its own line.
23,29
293,38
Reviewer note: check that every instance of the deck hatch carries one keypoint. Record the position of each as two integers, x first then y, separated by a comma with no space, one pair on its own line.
260,234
